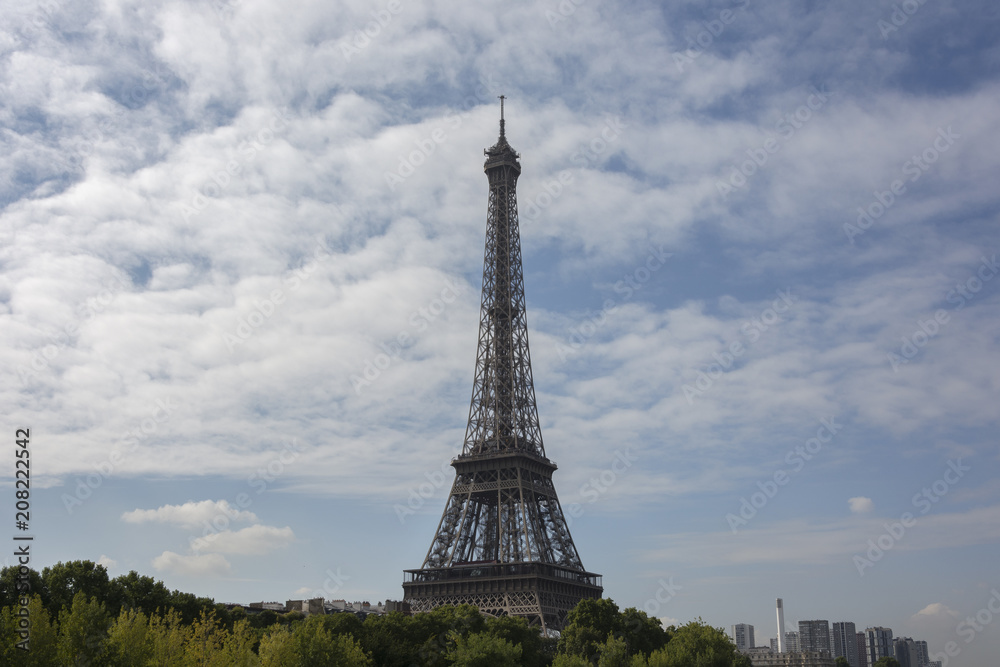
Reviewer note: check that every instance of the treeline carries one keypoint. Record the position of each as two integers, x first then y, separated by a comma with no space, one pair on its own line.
57,585
80,617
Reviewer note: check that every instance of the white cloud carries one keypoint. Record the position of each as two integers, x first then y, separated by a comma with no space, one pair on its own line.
206,557
199,565
250,540
108,563
191,515
936,610
92,357
860,505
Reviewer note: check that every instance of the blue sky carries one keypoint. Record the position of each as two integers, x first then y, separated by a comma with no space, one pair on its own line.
240,270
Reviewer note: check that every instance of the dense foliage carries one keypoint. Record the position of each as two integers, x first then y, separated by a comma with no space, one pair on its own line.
81,617
886,662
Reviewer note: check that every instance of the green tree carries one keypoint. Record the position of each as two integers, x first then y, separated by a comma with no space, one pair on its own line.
886,662
204,645
43,639
143,593
318,646
64,580
343,623
10,578
699,645
128,640
588,626
566,660
291,617
190,606
264,619
391,639
439,629
169,637
643,633
515,629
83,628
841,661
613,653
278,649
223,615
239,614
482,649
238,645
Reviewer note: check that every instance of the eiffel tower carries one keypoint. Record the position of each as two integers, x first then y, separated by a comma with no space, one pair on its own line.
503,544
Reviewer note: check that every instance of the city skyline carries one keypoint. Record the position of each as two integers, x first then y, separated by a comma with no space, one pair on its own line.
240,269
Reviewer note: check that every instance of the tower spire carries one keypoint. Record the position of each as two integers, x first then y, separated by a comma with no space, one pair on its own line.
502,97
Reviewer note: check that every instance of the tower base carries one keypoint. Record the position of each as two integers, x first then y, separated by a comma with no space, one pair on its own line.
544,594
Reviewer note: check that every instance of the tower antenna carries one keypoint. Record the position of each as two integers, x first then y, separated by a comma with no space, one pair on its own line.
502,98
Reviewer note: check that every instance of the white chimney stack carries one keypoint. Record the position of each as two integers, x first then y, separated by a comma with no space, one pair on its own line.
781,627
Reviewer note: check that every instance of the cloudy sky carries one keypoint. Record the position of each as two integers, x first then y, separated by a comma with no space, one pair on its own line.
241,261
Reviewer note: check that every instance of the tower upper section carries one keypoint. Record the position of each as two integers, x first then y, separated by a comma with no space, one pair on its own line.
501,154
503,417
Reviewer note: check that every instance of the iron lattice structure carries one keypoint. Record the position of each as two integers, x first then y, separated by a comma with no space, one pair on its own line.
503,543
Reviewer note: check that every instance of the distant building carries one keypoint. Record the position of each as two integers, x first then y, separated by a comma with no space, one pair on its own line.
901,651
268,606
307,607
361,609
792,641
878,644
862,650
845,642
910,653
743,637
814,636
922,655
397,605
793,659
